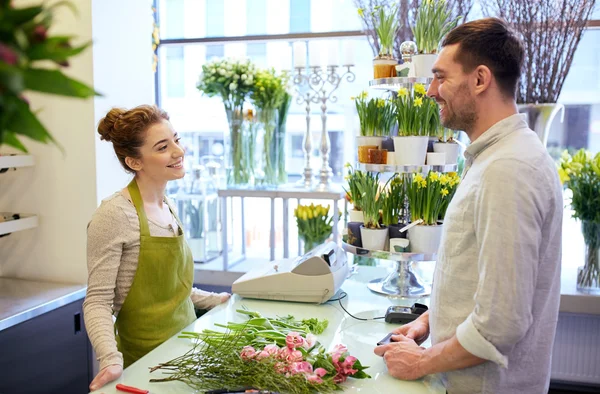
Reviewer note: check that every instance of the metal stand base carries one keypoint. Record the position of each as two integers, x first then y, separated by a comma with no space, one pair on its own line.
401,282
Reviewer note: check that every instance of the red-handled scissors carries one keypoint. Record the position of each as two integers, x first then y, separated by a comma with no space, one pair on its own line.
129,389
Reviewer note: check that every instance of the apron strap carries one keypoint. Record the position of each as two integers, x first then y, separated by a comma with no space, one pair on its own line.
136,198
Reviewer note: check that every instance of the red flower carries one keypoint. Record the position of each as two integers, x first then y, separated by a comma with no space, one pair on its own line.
40,33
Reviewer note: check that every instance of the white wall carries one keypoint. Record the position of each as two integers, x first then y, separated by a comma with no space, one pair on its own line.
64,190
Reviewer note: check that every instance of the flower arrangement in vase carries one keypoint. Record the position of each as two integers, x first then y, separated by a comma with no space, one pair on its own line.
373,235
428,197
581,174
232,81
377,119
27,54
418,119
268,95
434,20
386,25
314,225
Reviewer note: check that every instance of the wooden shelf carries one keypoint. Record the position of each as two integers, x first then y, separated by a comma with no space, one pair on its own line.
16,161
26,222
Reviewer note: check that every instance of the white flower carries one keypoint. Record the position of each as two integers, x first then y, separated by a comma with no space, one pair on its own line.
244,76
221,71
236,77
232,86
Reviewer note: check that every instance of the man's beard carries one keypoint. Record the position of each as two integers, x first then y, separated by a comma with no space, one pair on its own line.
462,116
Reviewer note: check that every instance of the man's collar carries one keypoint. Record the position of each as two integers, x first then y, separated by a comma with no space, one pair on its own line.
496,133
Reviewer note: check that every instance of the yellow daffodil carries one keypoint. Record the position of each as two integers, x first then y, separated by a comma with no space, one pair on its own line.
348,165
402,92
380,103
352,98
361,12
363,95
418,102
420,89
434,176
444,192
418,178
563,175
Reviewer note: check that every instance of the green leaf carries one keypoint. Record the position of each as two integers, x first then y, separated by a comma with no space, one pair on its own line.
55,49
9,138
11,78
14,17
55,82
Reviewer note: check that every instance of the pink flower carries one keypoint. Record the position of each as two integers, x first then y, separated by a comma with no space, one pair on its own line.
340,378
348,364
248,353
314,378
309,341
289,355
320,372
271,349
338,351
301,367
294,340
339,348
262,355
40,33
8,55
281,367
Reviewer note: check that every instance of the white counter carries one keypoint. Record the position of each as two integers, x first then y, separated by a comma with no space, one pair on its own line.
359,336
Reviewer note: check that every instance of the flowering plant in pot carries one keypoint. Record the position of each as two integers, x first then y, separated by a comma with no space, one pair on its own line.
418,118
434,20
32,60
314,225
426,199
232,81
373,234
377,118
393,203
353,193
386,25
581,174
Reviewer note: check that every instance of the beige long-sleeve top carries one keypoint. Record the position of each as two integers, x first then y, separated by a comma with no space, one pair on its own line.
497,279
113,247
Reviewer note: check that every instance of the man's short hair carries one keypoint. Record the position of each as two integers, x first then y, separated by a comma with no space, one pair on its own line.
492,43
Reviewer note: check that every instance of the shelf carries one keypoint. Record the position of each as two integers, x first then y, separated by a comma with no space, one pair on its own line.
398,82
424,169
380,254
15,161
26,222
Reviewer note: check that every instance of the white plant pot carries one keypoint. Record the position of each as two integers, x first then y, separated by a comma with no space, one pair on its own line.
436,158
356,216
410,150
374,238
423,64
451,149
364,141
425,239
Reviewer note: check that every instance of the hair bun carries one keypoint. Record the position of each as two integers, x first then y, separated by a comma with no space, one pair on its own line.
106,127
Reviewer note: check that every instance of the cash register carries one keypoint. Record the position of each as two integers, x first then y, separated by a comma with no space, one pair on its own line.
314,277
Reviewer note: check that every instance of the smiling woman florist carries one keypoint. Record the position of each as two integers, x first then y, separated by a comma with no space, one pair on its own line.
140,268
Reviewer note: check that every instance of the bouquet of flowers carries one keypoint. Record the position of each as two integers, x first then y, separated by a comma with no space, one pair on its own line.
233,81
376,115
25,45
433,22
314,224
417,114
428,197
279,354
581,174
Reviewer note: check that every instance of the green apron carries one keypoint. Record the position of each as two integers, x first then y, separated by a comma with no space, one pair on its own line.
158,304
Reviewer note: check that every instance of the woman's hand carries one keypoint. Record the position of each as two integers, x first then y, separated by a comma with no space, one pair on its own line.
107,375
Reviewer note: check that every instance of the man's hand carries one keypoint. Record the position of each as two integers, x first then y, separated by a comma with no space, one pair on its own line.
108,374
417,329
402,357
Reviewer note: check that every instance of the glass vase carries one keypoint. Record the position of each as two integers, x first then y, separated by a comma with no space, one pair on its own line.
588,276
282,176
268,120
236,149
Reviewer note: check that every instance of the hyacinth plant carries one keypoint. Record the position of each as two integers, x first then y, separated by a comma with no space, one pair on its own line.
267,96
277,354
376,115
581,174
416,113
32,60
314,225
432,23
429,196
232,81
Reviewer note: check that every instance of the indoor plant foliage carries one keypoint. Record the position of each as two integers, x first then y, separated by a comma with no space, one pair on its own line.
371,199
393,201
268,95
376,115
386,26
581,174
353,194
433,22
276,354
550,31
25,43
314,225
232,81
428,196
416,113
406,18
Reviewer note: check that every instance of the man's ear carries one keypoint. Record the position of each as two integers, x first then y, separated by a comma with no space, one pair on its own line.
134,164
483,79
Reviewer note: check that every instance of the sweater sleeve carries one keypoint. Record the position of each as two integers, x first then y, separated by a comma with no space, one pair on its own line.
106,236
